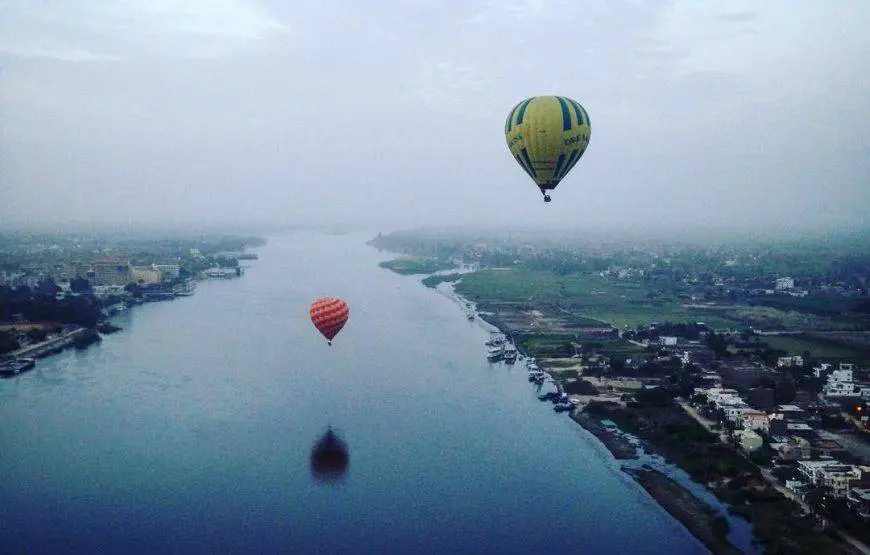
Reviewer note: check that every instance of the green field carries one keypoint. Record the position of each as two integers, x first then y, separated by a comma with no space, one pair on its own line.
588,298
819,348
410,266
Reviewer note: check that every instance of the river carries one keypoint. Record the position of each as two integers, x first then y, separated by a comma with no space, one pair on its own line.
190,430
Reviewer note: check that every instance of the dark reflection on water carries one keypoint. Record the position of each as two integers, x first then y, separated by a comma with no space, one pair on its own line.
329,458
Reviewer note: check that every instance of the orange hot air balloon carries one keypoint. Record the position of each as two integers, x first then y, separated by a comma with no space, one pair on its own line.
329,315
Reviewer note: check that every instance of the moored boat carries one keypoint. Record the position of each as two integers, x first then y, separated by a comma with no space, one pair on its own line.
494,352
17,366
496,339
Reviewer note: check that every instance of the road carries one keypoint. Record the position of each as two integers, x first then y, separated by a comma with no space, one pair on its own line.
774,482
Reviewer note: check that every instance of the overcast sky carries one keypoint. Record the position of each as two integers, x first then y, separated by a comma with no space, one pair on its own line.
392,113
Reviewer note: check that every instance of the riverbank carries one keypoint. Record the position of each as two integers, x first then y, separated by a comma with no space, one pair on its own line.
69,338
618,445
694,514
544,331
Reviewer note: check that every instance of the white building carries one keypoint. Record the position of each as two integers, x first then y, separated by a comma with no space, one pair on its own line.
832,474
784,283
840,382
790,361
667,341
821,370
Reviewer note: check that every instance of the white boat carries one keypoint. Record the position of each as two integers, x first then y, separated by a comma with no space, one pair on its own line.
510,353
469,314
494,352
496,339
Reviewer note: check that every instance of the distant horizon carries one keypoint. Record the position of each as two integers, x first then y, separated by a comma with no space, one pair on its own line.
671,231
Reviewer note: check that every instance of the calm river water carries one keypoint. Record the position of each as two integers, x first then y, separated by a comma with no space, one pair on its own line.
190,431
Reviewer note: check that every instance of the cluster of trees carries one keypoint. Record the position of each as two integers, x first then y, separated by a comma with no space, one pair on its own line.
40,304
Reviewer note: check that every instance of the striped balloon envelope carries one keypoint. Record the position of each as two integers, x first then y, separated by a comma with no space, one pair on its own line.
329,315
547,135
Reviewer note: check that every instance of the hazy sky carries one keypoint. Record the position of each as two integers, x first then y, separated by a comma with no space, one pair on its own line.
392,113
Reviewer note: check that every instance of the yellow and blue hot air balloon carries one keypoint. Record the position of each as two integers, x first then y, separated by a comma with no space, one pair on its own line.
547,135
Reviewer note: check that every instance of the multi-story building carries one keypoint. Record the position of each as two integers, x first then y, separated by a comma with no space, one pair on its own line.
111,272
168,271
832,474
784,283
146,275
840,382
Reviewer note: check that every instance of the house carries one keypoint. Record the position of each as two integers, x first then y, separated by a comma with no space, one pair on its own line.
832,474
840,382
754,420
822,370
790,361
784,283
794,449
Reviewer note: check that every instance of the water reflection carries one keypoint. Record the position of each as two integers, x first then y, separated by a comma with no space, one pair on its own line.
329,458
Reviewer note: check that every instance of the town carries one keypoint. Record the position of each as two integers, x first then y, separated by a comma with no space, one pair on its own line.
763,348
58,291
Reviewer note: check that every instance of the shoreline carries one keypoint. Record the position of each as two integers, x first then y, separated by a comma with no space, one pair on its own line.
696,515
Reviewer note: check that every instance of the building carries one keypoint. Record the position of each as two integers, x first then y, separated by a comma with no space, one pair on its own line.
104,291
790,361
111,272
795,449
832,474
822,370
754,420
667,341
146,275
169,271
840,382
784,284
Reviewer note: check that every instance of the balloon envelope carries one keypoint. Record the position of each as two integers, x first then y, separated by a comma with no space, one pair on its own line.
329,315
547,135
